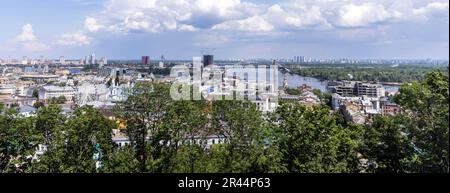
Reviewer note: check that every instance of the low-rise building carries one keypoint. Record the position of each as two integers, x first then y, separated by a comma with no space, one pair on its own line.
353,113
356,88
122,140
7,89
49,92
27,111
390,109
18,101
309,98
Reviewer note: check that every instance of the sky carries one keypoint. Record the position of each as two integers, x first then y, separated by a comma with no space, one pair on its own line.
181,29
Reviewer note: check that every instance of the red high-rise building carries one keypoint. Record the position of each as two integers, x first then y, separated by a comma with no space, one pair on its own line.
208,60
145,60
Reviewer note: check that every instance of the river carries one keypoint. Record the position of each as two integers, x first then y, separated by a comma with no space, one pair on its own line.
295,80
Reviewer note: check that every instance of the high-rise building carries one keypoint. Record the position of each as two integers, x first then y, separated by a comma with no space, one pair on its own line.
102,62
105,60
299,59
208,60
273,76
62,60
24,60
145,60
92,59
86,60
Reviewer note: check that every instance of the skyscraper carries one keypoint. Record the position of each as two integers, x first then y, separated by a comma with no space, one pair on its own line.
92,59
299,59
145,60
102,62
105,60
62,60
274,76
208,60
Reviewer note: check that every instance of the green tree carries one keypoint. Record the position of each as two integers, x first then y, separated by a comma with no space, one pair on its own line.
35,93
185,121
71,145
310,140
143,111
58,100
17,141
427,102
109,83
82,132
38,104
387,142
243,127
293,91
122,160
49,123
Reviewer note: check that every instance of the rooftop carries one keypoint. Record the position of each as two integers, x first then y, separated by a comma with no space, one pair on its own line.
26,109
58,88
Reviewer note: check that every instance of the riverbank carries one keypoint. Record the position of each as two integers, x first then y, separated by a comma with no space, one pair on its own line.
294,80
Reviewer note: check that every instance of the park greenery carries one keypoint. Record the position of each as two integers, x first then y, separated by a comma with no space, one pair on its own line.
366,72
294,139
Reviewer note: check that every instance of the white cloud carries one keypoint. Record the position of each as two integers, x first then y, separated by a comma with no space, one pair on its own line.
91,24
296,16
254,23
184,27
27,34
74,39
154,16
158,15
29,41
432,9
228,9
363,15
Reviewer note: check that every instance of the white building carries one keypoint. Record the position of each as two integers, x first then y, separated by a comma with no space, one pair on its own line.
48,92
7,89
27,111
62,60
92,59
122,140
91,94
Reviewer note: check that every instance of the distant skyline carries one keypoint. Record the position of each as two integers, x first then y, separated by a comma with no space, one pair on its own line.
180,29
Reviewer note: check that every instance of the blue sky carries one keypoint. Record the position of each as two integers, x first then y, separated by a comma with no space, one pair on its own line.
180,29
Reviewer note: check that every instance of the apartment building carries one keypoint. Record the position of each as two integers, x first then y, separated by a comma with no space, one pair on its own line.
48,92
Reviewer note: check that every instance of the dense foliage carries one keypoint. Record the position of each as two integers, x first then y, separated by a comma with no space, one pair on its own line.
380,73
